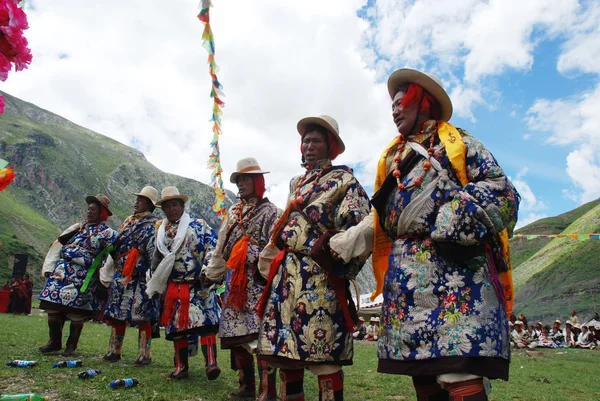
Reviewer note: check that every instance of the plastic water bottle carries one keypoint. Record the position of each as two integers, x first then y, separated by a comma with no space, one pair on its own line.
23,397
124,383
89,374
68,364
21,364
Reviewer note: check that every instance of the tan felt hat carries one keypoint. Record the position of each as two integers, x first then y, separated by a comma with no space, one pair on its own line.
326,122
169,193
101,199
150,193
427,81
247,165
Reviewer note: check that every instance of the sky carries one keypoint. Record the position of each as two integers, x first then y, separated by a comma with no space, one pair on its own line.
523,76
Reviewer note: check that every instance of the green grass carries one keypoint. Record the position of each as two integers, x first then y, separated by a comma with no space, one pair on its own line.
548,375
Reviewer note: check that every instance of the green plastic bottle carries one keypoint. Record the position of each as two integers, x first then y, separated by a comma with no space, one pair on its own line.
23,397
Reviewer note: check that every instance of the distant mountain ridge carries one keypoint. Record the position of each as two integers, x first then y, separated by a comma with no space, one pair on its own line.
58,164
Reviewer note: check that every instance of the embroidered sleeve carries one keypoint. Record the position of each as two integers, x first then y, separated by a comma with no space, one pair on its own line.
486,205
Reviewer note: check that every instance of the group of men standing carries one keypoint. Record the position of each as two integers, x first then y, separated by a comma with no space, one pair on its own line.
441,213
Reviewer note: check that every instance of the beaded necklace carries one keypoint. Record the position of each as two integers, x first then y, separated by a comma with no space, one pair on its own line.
242,219
429,127
315,184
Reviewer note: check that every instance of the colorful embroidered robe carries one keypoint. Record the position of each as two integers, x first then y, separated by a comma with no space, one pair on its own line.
303,323
204,310
441,312
63,288
129,301
239,327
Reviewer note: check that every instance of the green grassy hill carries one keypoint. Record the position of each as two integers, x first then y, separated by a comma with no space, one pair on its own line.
58,164
554,276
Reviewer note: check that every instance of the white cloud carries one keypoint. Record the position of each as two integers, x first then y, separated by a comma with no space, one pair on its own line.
573,122
528,218
581,53
529,202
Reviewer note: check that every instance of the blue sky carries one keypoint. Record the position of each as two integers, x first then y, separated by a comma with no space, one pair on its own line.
523,78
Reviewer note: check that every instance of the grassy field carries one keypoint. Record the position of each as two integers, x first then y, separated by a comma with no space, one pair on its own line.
549,375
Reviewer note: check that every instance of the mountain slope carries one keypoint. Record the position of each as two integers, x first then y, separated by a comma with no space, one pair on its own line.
58,164
553,276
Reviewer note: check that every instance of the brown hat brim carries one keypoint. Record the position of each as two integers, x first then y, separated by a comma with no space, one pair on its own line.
302,124
409,76
93,199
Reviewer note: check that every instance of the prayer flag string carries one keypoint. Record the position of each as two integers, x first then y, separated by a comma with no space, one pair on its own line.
216,93
576,237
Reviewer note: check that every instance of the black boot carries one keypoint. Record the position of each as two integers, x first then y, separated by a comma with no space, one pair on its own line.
55,344
181,361
73,340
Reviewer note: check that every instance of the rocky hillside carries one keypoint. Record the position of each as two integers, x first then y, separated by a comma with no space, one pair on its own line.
58,164
554,276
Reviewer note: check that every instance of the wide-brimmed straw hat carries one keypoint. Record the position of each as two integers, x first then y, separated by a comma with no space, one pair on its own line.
326,122
427,81
169,193
247,165
101,199
148,192
518,323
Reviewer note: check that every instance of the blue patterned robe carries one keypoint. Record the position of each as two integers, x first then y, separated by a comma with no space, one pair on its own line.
63,288
129,302
197,247
241,327
303,323
440,312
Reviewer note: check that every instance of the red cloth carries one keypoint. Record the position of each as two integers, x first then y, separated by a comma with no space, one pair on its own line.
177,293
262,302
237,295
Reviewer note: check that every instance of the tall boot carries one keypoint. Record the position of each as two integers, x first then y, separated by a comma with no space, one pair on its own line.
115,344
468,390
292,384
331,387
73,340
144,356
428,389
268,382
209,350
55,328
181,360
244,364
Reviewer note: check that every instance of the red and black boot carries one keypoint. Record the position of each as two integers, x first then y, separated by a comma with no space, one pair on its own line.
144,356
268,382
331,387
244,364
181,360
292,384
209,350
115,344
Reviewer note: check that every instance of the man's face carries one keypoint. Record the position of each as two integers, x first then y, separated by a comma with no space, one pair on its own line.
173,210
93,213
245,185
314,147
404,117
142,204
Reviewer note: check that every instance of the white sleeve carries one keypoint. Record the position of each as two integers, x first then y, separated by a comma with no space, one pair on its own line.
356,241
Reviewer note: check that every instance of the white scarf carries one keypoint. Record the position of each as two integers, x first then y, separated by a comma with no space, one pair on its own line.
158,283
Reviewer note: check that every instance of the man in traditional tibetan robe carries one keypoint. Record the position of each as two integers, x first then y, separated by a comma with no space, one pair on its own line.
307,315
72,278
183,248
241,239
444,210
130,260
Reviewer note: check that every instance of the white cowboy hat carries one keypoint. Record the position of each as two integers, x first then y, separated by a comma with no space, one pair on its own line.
169,193
148,192
427,81
326,122
373,319
558,321
247,165
518,322
101,199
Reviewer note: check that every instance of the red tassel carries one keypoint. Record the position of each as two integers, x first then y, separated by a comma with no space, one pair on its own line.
237,295
177,292
130,263
262,302
6,177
